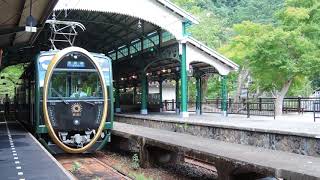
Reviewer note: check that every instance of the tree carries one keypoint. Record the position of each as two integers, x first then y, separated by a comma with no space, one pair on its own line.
211,30
237,11
291,51
241,47
10,76
279,54
280,57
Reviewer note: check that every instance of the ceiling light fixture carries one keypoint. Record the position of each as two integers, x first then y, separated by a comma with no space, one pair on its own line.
139,24
31,22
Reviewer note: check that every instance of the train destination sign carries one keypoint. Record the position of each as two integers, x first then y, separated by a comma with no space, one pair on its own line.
75,64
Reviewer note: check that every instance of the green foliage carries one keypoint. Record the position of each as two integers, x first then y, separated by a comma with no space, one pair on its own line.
192,91
277,53
185,126
242,45
275,40
135,162
75,166
10,76
214,87
217,19
280,56
211,30
237,11
139,176
315,82
302,87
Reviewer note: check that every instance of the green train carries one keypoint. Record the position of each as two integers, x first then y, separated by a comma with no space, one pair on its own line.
65,99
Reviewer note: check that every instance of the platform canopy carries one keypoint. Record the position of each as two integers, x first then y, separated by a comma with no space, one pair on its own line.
161,13
13,15
130,33
146,39
114,26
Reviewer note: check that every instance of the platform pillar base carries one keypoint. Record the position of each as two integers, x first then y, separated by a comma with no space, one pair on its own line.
185,114
144,111
224,170
224,113
198,112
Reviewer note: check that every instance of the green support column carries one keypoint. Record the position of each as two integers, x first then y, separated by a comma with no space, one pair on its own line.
144,93
178,100
117,99
160,95
198,97
184,83
134,94
147,91
224,95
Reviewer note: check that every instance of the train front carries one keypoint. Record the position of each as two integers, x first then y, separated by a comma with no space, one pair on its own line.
76,91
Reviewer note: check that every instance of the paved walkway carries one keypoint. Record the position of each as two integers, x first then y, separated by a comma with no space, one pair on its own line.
22,157
301,125
285,165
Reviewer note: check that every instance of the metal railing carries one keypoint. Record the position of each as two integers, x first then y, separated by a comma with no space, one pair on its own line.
211,106
299,105
169,105
316,110
214,106
258,107
252,109
291,104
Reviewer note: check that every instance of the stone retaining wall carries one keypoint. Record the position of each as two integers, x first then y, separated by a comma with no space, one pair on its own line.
284,142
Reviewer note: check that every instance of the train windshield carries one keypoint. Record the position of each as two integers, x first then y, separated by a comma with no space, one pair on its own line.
75,85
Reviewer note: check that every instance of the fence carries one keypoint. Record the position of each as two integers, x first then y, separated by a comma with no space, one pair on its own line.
246,108
252,108
259,107
316,110
299,105
169,105
294,104
130,99
214,106
211,106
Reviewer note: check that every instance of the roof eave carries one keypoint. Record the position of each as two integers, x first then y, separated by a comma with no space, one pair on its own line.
179,11
212,53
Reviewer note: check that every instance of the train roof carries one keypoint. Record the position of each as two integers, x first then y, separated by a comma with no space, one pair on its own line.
53,52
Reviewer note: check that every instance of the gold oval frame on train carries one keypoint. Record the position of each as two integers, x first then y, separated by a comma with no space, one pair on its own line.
54,62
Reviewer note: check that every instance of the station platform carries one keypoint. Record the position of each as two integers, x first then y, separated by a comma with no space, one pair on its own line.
23,157
292,133
228,158
301,125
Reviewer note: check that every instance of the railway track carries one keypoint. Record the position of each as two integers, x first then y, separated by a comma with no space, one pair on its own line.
90,166
200,163
101,165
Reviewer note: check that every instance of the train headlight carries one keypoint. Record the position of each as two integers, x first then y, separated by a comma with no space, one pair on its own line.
76,122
